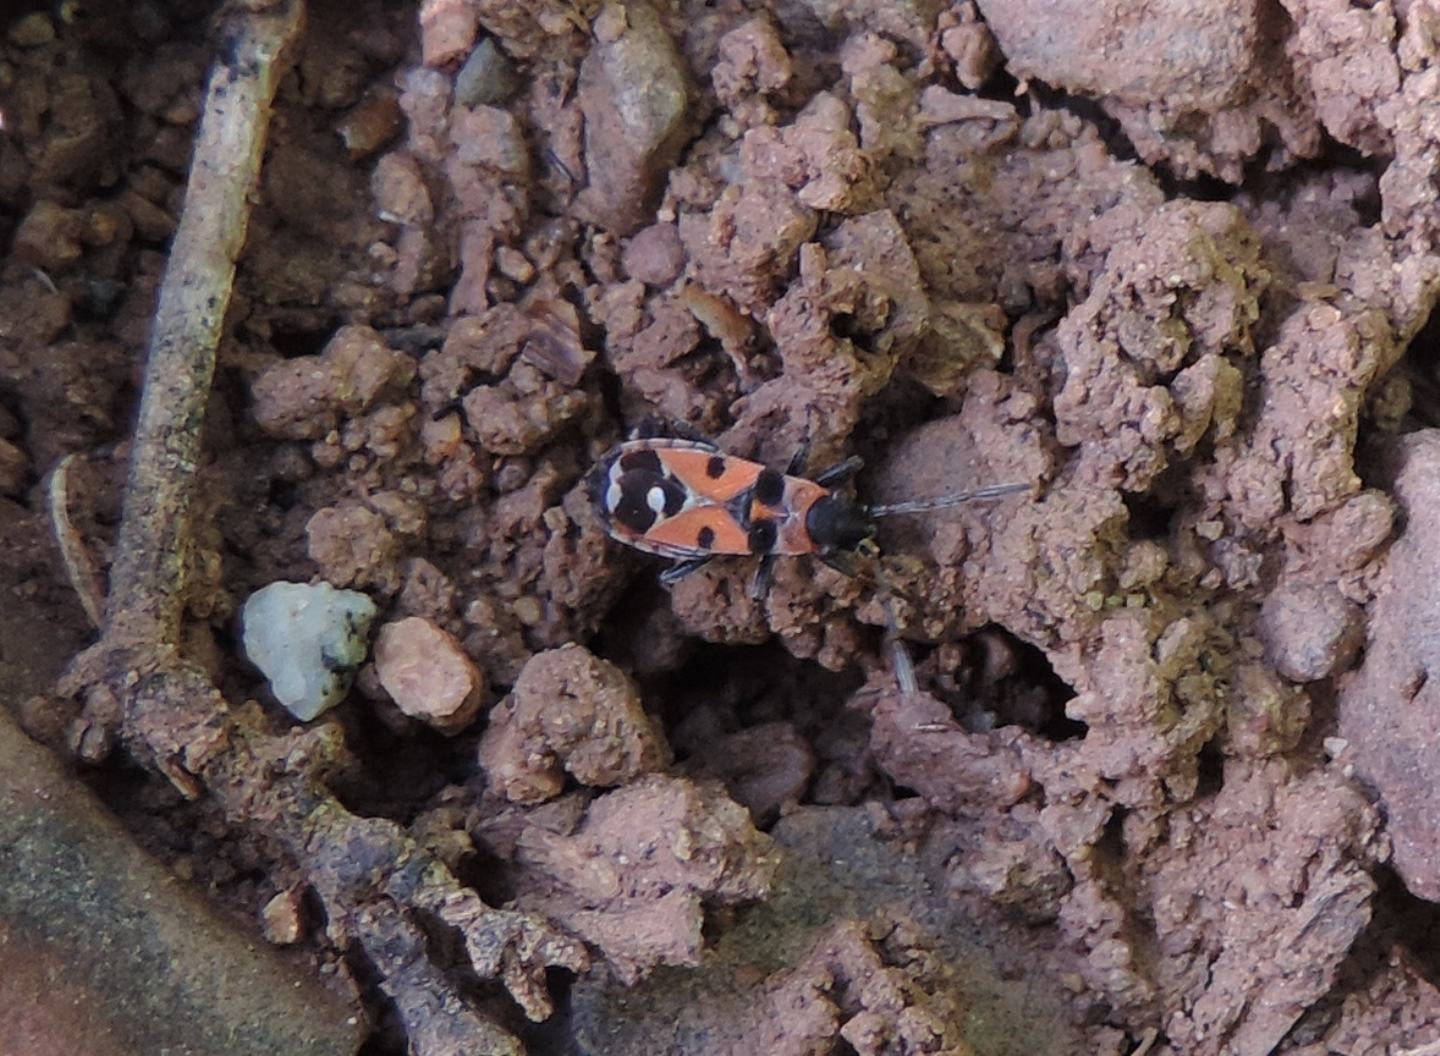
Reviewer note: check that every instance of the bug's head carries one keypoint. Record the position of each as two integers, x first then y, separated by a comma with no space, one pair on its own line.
837,523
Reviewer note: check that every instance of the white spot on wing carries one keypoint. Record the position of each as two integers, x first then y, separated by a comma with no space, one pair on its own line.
655,499
613,494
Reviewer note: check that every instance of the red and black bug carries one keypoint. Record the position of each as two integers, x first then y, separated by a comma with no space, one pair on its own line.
688,500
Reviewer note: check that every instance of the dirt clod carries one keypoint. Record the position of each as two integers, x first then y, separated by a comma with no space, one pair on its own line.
303,398
634,877
569,712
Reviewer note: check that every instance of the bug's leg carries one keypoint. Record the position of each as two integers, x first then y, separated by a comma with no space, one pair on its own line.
903,665
689,432
840,472
764,576
801,458
659,428
796,468
681,569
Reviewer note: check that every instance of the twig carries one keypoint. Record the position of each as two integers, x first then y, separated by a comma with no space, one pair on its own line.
147,580
79,569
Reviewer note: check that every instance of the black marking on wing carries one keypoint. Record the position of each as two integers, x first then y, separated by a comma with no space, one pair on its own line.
762,537
715,468
644,460
705,537
634,511
770,488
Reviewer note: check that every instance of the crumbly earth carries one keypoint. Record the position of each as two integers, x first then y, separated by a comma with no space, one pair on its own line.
1170,264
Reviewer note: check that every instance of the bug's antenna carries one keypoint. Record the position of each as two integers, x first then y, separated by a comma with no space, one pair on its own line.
994,491
900,661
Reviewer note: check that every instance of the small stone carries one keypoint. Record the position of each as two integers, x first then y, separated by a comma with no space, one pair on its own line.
1310,630
634,94
398,187
514,264
32,30
487,78
427,674
152,223
490,138
610,23
554,344
528,610
655,255
370,124
103,225
447,30
280,920
307,640
570,712
441,438
49,235
303,398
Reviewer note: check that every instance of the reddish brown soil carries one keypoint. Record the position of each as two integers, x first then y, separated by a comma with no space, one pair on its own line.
1168,783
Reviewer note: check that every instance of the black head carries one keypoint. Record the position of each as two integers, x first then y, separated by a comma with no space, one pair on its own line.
836,523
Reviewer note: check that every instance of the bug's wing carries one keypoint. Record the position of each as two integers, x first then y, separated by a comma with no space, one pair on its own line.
712,476
676,498
706,528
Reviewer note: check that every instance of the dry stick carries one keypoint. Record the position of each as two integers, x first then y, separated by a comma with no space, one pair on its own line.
177,714
148,578
84,580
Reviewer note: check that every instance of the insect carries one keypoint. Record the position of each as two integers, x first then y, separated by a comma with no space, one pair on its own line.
688,500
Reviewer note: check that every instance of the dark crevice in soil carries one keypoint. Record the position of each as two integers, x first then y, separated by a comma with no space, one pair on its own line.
491,877
1089,111
1323,716
1400,921
1111,845
1149,517
1037,677
388,1038
1210,772
398,772
293,343
1421,366
554,1034
1403,919
1335,158
1006,681
1199,188
1424,352
734,687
